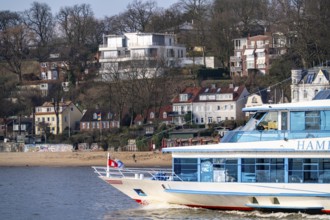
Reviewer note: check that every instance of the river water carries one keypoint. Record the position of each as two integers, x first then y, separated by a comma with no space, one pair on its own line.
77,193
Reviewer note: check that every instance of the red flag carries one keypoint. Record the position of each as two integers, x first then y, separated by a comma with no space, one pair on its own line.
112,163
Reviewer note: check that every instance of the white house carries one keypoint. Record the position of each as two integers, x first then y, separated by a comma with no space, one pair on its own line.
149,51
306,84
217,104
210,105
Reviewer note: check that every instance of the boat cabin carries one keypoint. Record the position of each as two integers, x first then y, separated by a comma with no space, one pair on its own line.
284,143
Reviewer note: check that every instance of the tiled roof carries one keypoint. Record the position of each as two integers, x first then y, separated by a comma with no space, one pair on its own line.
192,94
167,109
105,115
235,90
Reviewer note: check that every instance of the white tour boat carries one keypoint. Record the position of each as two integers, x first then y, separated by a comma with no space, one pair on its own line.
279,161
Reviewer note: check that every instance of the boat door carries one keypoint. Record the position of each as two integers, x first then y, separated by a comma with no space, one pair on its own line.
310,172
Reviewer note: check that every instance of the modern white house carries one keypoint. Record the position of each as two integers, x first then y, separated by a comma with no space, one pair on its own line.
210,105
306,84
142,53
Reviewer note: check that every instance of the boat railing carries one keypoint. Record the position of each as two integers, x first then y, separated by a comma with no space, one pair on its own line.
157,174
271,135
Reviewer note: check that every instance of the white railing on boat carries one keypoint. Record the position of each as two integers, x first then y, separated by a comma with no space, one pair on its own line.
137,173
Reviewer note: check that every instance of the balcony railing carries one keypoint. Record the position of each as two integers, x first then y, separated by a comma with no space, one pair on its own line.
235,59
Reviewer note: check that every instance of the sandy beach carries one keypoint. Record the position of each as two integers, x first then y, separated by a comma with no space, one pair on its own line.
142,159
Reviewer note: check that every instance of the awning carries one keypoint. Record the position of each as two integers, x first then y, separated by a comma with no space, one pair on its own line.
260,50
248,52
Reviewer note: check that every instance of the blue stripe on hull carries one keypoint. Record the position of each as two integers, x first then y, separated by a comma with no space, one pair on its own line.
247,193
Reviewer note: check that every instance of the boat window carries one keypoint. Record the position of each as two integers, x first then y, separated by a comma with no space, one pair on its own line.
254,120
186,168
268,122
206,170
224,170
325,120
309,120
312,120
248,173
277,170
305,170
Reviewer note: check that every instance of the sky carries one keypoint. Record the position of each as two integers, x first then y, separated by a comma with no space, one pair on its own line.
101,8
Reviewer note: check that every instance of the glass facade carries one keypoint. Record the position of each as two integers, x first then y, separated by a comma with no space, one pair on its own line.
263,170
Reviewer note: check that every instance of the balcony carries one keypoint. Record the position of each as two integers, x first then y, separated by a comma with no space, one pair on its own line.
235,59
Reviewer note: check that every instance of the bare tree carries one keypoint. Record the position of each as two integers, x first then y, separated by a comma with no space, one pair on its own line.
14,41
79,28
138,14
39,20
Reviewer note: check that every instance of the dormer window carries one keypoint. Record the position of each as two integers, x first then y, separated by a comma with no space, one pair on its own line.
254,100
183,97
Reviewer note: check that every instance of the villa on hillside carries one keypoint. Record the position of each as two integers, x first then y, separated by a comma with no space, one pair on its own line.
145,54
45,117
209,105
306,84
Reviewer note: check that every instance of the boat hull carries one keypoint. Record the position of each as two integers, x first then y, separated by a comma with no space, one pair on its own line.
309,198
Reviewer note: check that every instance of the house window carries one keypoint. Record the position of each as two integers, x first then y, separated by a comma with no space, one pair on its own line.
202,120
183,97
305,94
83,125
48,119
93,125
231,107
218,107
53,119
152,115
218,119
209,120
250,64
87,125
94,116
237,44
196,120
164,115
